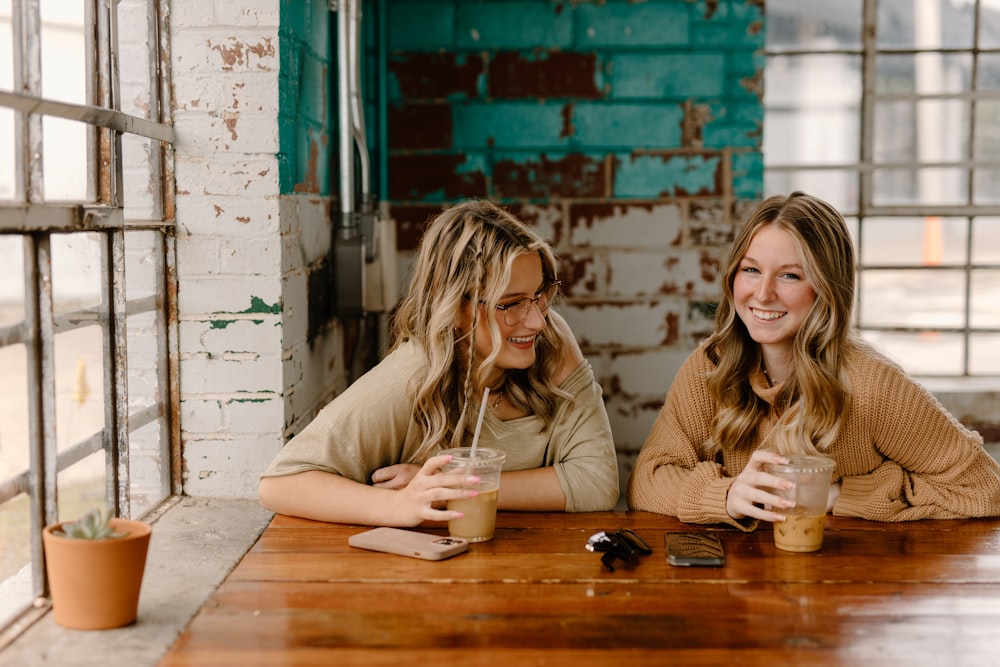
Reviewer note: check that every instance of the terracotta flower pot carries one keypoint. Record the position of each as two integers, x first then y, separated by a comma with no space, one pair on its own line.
95,583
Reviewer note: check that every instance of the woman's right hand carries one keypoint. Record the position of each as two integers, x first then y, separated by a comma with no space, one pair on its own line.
749,496
425,495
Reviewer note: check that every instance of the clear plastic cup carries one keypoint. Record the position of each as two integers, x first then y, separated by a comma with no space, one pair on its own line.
480,512
802,529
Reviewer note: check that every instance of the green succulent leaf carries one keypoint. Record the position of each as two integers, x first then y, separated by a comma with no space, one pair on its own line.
94,525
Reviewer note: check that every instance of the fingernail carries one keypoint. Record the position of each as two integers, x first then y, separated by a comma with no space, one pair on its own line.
471,479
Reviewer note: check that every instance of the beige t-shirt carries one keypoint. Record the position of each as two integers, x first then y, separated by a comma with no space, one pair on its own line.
369,426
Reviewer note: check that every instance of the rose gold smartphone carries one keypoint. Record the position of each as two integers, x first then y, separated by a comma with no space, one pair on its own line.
409,543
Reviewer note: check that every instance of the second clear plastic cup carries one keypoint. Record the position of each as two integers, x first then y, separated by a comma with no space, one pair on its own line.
480,512
802,530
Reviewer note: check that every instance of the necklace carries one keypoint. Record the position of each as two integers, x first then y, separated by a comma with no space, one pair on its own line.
496,403
767,376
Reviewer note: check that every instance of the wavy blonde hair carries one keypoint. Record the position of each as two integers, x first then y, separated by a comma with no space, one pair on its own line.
815,397
465,260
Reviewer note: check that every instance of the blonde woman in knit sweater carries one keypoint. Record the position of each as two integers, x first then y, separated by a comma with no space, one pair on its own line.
782,373
478,314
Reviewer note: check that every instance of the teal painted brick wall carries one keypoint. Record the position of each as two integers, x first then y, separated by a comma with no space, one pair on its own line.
306,102
578,86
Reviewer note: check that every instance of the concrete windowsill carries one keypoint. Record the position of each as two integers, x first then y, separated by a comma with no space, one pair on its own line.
195,544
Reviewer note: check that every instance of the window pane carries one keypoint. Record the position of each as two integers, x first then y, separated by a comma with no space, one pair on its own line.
912,298
6,154
6,47
142,191
989,27
925,24
82,487
986,240
839,187
76,271
15,557
986,187
984,354
813,24
989,71
927,353
986,145
930,185
812,110
63,57
985,294
925,73
11,279
6,115
930,241
64,159
908,131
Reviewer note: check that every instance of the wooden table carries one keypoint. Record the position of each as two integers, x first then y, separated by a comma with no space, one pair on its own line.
921,593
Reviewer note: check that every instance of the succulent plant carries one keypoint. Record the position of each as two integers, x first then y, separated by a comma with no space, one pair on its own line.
94,525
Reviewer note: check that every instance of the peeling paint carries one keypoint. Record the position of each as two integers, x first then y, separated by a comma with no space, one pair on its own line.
238,53
696,116
218,210
220,324
310,181
258,305
230,119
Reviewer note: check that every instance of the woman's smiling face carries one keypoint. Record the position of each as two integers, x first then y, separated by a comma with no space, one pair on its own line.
770,291
517,342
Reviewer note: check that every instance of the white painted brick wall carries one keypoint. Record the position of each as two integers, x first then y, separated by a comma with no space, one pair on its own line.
248,375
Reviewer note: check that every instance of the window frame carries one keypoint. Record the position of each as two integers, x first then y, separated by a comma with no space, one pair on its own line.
102,214
866,167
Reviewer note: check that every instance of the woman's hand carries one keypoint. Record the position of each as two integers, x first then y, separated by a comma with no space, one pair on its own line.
396,476
748,495
422,491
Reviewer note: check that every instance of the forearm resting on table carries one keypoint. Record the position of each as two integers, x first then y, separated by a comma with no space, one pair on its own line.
323,496
534,490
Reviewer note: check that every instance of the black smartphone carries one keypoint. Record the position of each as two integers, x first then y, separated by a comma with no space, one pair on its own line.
685,549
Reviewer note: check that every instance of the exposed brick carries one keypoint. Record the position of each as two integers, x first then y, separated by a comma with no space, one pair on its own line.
411,220
420,126
543,74
573,175
418,176
436,75
636,225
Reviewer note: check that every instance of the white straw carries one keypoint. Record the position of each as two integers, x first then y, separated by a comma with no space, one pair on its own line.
479,422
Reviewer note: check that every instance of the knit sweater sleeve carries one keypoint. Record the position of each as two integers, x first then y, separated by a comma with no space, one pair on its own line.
670,476
902,456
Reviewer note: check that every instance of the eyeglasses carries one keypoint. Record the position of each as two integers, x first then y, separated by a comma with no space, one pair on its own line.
516,312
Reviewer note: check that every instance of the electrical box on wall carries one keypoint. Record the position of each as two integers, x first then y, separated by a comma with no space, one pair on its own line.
380,286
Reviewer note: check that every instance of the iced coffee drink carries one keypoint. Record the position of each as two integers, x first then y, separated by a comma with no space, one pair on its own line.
802,529
481,510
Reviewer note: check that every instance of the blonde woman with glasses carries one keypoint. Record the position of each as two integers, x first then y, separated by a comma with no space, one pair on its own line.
478,314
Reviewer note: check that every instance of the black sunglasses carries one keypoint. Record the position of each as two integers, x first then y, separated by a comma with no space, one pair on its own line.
622,544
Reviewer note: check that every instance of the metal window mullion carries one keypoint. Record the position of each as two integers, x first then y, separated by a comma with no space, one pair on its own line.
27,36
107,96
42,436
165,396
166,152
114,339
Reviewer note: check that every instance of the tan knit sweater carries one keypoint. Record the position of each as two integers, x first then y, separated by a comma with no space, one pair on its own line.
900,455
